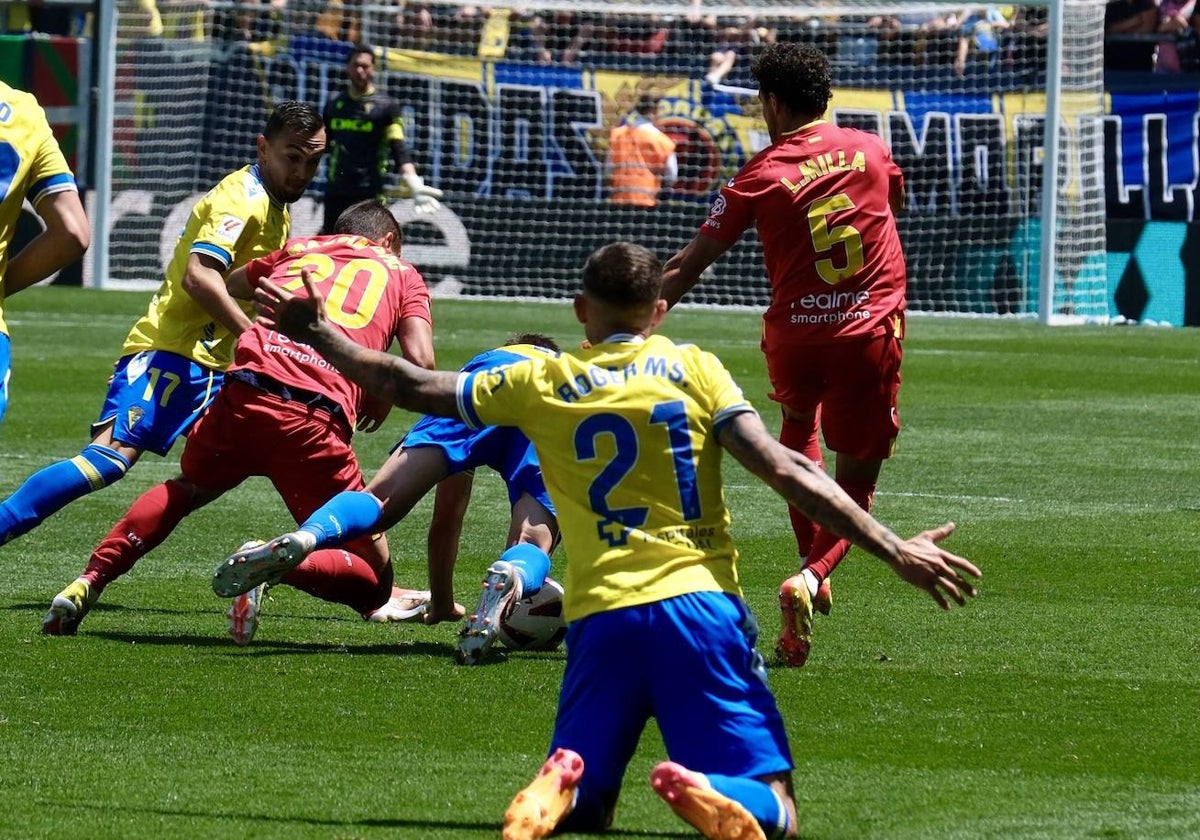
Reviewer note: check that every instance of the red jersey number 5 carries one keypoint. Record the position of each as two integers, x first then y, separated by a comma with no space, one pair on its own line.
826,238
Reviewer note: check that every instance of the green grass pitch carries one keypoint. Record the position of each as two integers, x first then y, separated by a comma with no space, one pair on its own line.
1063,703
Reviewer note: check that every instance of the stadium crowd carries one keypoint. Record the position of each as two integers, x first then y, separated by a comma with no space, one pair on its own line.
1140,35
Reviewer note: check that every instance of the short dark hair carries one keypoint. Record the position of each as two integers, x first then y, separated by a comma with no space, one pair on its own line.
624,275
368,218
646,105
361,49
536,339
293,115
796,73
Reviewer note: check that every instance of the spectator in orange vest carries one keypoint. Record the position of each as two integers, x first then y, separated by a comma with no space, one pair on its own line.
641,158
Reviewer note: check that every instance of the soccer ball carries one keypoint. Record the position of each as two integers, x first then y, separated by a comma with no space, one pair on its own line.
536,622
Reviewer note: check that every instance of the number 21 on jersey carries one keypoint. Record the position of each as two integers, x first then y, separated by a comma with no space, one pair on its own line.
627,445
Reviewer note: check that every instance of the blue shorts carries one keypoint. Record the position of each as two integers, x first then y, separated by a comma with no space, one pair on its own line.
5,372
502,448
690,663
154,397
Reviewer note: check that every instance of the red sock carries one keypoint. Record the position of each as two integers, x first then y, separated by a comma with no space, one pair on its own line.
340,577
150,520
802,438
828,549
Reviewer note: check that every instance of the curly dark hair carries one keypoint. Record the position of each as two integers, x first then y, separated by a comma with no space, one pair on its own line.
624,275
293,115
796,73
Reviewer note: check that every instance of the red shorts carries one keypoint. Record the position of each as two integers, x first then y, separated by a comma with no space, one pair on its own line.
854,382
305,453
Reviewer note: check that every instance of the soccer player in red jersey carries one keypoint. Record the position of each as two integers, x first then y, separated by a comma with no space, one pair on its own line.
823,200
286,414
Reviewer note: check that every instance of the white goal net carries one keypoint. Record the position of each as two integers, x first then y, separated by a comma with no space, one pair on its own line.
510,111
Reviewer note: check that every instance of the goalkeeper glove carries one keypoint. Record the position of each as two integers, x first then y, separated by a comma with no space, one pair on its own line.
424,198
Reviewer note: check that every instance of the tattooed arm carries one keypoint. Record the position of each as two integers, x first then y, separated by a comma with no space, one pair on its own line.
918,560
383,375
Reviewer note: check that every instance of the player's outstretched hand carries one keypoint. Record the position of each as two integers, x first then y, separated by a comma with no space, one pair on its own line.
426,203
928,566
296,317
425,198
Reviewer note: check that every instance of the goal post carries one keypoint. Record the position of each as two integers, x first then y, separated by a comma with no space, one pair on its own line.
1075,282
509,112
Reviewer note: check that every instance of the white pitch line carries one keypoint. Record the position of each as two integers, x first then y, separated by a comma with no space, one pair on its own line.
84,319
954,497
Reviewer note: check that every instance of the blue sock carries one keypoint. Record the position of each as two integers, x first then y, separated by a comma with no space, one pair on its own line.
52,488
756,797
5,372
347,515
532,565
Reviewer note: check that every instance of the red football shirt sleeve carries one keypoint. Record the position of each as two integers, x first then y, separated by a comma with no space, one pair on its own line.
895,173
731,213
416,296
259,268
